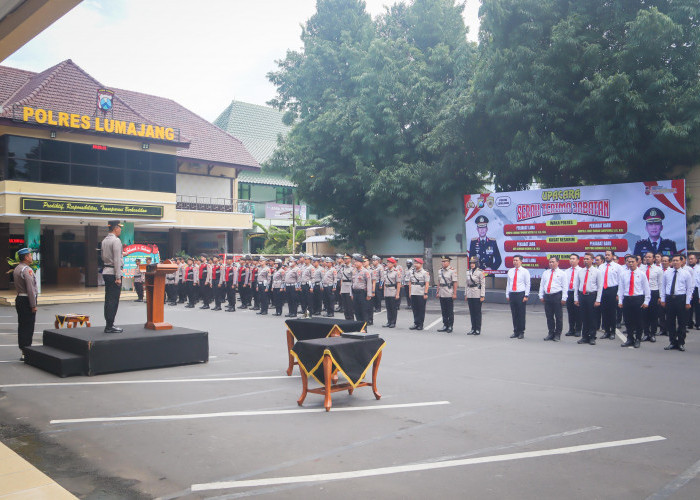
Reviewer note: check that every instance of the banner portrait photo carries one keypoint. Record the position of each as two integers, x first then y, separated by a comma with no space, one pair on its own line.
629,218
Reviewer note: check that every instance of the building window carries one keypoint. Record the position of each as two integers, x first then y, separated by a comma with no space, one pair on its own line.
56,162
284,195
243,191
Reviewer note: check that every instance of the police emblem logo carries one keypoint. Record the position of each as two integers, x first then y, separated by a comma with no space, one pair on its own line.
104,99
481,204
489,201
471,204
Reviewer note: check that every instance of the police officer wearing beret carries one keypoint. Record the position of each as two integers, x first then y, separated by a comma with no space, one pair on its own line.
25,302
484,247
655,243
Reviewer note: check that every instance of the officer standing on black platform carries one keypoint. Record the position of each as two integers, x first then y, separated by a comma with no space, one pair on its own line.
25,302
447,292
112,274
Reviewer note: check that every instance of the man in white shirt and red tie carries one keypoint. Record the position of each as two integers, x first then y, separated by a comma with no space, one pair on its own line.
588,288
573,312
633,297
552,285
517,292
676,296
610,275
655,276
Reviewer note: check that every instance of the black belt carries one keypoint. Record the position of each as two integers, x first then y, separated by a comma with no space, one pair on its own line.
589,293
677,295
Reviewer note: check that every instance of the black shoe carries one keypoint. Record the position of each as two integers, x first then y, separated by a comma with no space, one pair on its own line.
21,358
582,341
256,308
258,312
577,334
681,347
449,330
217,308
645,338
413,327
570,333
113,329
243,306
592,341
419,327
205,306
549,337
514,336
471,332
557,338
628,343
387,325
521,336
477,332
670,347
263,313
637,343
443,329
663,334
393,325
652,338
138,300
189,306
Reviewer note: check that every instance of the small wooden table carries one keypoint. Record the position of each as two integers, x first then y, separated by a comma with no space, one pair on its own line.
71,320
351,357
317,328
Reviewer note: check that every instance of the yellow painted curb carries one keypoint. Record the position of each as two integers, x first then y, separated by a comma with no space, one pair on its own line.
20,480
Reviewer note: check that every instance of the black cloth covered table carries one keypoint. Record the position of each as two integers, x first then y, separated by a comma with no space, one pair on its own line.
351,357
317,328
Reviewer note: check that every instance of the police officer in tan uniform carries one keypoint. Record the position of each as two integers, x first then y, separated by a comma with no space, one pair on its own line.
447,293
419,281
361,290
25,302
392,291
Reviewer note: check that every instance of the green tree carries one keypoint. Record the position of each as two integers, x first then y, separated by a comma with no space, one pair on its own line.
574,92
367,98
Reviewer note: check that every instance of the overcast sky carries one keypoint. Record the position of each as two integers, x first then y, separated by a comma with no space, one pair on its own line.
202,53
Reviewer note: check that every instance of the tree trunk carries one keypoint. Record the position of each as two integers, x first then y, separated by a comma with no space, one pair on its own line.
428,254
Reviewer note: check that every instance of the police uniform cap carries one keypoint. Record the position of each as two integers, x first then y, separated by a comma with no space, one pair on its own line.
339,256
292,259
409,260
482,221
374,257
328,259
446,257
357,257
115,223
653,215
316,259
278,261
24,251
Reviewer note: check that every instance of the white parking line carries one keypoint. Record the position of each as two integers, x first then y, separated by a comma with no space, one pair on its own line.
157,381
242,413
419,467
432,324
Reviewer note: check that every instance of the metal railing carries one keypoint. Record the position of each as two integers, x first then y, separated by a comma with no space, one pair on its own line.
210,204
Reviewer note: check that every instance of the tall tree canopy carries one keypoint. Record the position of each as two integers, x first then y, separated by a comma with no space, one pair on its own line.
583,91
366,96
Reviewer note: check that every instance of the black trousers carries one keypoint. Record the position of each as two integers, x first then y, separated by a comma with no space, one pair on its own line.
181,292
651,313
231,295
573,313
554,312
363,307
205,292
318,299
347,305
304,298
25,322
378,297
589,315
418,307
219,295
112,293
242,290
264,298
338,299
475,313
278,299
693,312
292,299
517,311
447,307
407,294
608,309
171,293
191,292
328,296
138,286
632,312
676,319
392,305
255,294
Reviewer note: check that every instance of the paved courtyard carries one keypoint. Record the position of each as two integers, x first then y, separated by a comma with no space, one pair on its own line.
461,417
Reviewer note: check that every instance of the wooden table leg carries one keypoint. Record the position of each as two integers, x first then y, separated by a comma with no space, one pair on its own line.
327,370
290,344
55,324
305,387
375,369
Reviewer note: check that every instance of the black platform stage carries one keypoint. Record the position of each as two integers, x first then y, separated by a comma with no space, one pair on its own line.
90,351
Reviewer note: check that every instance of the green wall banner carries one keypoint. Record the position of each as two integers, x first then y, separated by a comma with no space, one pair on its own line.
81,207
